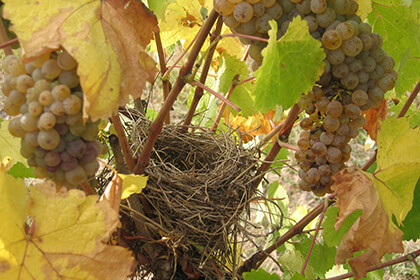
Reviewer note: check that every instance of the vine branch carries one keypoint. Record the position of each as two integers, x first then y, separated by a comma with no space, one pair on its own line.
409,257
163,68
125,147
157,124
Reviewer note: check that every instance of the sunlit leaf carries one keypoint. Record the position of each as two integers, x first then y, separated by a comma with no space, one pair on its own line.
291,66
64,238
259,274
132,184
10,145
107,38
411,223
19,170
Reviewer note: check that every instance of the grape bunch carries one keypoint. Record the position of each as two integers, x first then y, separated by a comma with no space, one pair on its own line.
46,99
357,74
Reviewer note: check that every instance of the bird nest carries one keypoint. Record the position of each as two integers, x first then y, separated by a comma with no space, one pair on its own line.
200,185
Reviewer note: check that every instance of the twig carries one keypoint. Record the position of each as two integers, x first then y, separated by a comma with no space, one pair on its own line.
218,95
163,68
118,155
245,36
9,43
408,257
258,258
125,147
4,39
207,63
157,124
401,114
314,238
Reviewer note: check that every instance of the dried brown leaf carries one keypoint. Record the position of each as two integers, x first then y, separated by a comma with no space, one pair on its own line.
372,231
374,117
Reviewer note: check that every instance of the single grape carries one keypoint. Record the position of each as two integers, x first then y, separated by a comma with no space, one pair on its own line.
228,20
42,85
369,64
352,46
91,132
341,7
31,138
90,154
306,123
303,143
333,155
10,108
300,155
72,120
388,63
376,94
326,138
45,98
75,176
72,105
359,97
387,82
340,71
275,11
57,108
48,139
334,109
352,111
65,61
331,124
318,6
15,128
356,65
24,82
16,98
40,172
351,81
353,131
243,11
331,40
76,148
52,159
90,167
304,7
319,149
322,104
312,176
50,69
69,78
326,18
28,122
46,121
261,23
335,56
324,170
35,108
312,23
345,29
359,121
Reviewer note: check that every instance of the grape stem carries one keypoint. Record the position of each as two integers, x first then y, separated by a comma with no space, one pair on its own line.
244,36
157,124
321,217
162,63
216,94
8,43
125,147
401,114
409,257
206,67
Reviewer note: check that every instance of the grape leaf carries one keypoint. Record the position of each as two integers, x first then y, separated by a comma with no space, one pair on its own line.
132,184
159,7
373,232
411,223
107,38
19,170
322,256
293,260
365,7
398,25
64,238
259,274
333,237
10,145
398,167
373,118
291,66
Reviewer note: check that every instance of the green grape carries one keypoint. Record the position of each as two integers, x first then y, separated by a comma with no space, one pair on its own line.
28,122
378,40
91,167
287,6
10,108
378,73
275,11
15,128
50,69
46,120
42,85
367,41
322,104
45,98
16,98
259,10
319,149
60,92
353,46
48,139
333,155
29,68
312,175
351,81
72,105
261,23
306,124
387,82
268,3
284,26
24,82
57,108
341,7
343,129
356,65
26,150
13,65
312,23
69,78
39,61
365,28
326,18
35,108
359,121
78,130
300,155
369,64
353,131
248,28
23,108
52,159
255,51
91,132
243,12
31,138
65,61
335,57
318,6
72,120
37,75
223,7
75,176
331,124
340,71
345,29
378,54
376,94
326,138
303,143
359,97
388,63
324,170
363,77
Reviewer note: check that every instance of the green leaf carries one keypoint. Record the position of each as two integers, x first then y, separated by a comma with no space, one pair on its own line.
331,236
398,166
19,170
322,256
291,66
242,95
259,274
297,276
10,145
293,260
159,7
398,25
411,223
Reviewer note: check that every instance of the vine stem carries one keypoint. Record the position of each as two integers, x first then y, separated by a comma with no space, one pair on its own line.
163,68
218,95
4,39
125,147
203,77
321,217
401,114
259,257
8,43
409,257
245,36
157,124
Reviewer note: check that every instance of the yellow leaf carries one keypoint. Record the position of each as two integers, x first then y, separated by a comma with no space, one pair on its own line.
398,167
132,184
93,32
65,239
365,7
10,146
373,231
